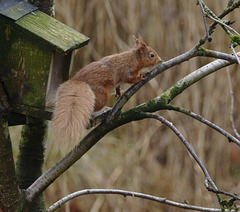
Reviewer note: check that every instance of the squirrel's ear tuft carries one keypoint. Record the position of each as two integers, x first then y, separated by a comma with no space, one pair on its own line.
140,38
139,41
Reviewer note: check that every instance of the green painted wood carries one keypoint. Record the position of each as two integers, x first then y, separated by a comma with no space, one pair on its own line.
24,66
25,73
26,49
52,33
15,9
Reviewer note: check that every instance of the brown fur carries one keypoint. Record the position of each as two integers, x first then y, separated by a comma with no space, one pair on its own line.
89,90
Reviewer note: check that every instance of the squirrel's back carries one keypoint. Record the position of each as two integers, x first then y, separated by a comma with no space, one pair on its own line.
75,100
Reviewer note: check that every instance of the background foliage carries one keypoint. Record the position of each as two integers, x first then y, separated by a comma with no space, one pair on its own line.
145,156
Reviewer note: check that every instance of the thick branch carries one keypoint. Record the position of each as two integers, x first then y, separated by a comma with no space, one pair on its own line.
63,164
161,102
166,97
192,78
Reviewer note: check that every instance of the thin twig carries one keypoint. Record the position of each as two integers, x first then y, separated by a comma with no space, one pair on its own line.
208,179
235,54
205,121
232,104
216,54
235,197
204,20
229,9
230,28
207,12
185,142
62,201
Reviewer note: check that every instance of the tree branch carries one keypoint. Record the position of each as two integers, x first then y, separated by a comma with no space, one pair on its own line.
230,2
185,142
204,20
235,197
62,201
235,54
222,23
232,105
208,179
67,161
229,9
166,97
203,120
218,55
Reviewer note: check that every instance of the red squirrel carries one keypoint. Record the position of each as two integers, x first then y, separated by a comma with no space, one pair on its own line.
89,90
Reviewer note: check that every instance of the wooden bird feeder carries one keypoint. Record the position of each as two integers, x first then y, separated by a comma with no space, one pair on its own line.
36,52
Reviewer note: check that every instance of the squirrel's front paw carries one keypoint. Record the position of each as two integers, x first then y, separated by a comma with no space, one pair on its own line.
142,76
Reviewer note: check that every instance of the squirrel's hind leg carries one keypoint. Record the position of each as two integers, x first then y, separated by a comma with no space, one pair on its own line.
102,96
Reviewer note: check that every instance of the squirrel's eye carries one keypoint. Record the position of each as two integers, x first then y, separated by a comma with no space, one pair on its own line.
152,55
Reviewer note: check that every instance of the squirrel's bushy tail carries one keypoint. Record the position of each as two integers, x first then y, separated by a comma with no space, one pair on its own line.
74,105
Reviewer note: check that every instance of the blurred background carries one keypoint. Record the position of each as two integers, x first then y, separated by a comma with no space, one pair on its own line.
146,156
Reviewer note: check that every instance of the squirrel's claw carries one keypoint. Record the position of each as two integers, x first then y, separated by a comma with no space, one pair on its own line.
142,75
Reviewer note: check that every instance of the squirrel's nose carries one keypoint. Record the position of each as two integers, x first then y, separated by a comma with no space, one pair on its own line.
160,60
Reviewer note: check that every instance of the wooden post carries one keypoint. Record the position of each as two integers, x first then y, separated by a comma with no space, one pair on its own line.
10,197
33,143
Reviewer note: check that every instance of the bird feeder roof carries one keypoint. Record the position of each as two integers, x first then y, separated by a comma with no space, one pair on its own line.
15,9
41,28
